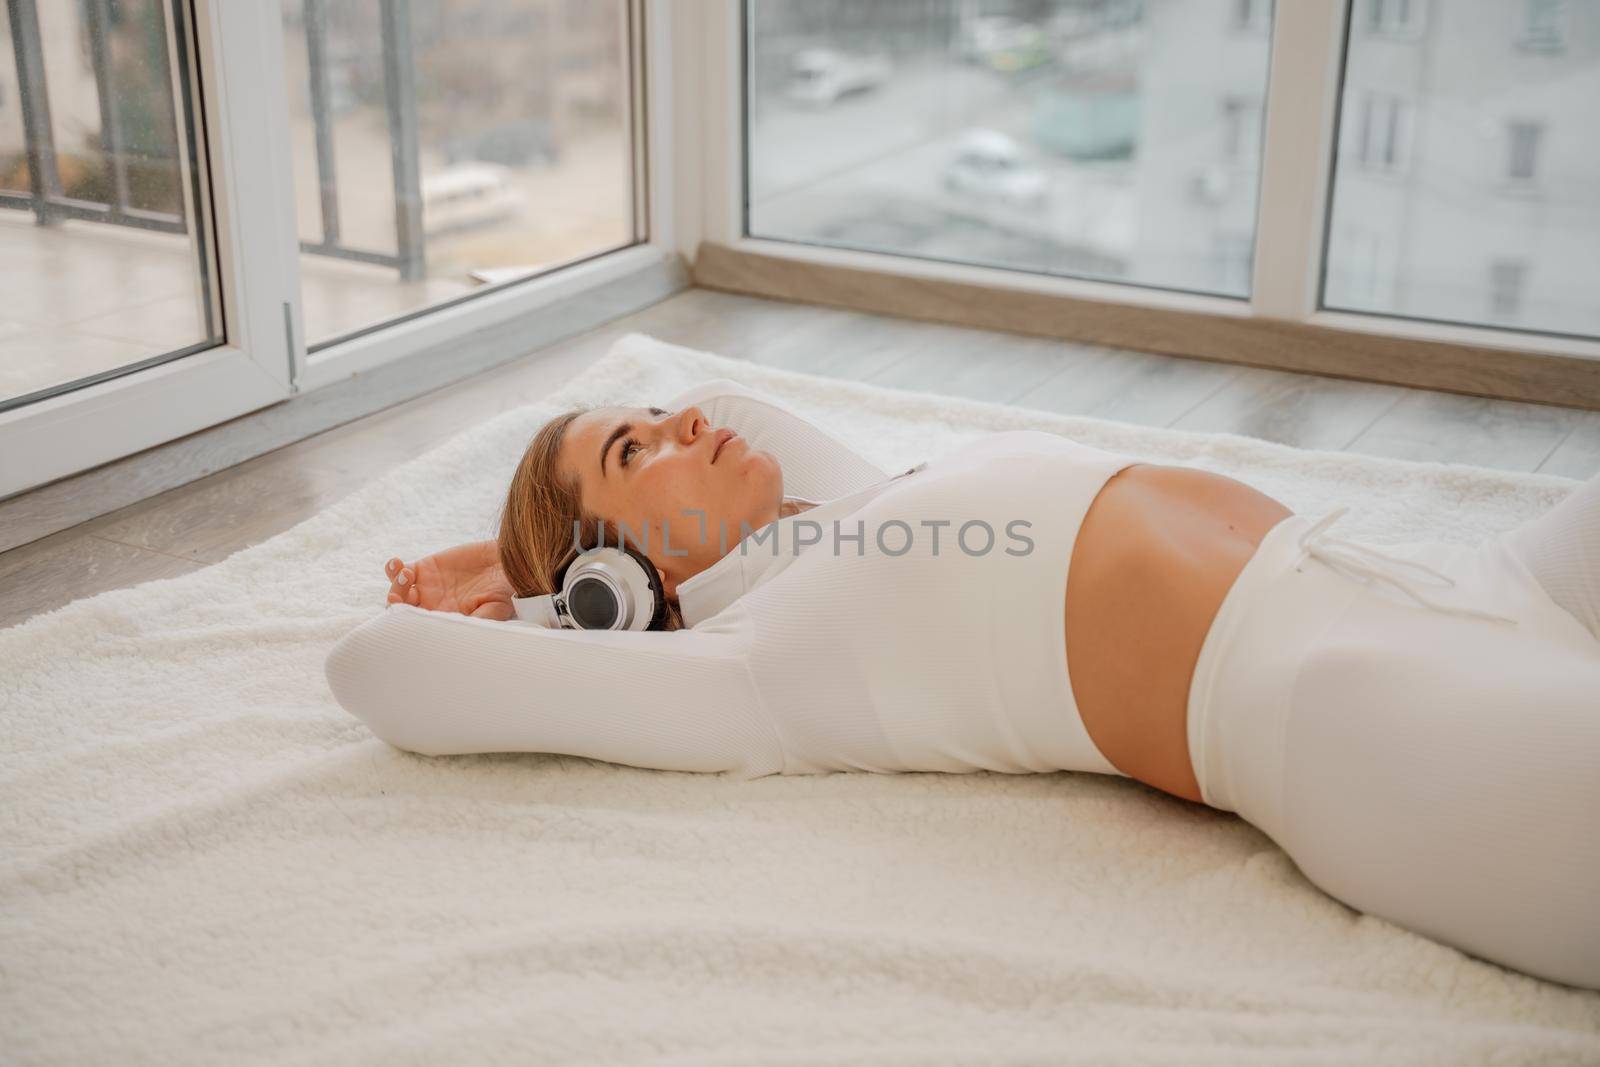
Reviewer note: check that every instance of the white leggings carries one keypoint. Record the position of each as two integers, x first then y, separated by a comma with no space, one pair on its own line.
1427,765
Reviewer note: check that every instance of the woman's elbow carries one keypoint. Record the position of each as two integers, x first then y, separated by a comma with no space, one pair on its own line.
373,690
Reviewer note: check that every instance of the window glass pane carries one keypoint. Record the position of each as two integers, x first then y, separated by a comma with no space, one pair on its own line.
103,267
442,146
1107,139
1467,174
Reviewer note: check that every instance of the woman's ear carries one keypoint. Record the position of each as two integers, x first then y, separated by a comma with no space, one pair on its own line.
669,584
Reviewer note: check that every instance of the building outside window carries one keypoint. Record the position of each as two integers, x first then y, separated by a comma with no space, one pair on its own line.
1462,149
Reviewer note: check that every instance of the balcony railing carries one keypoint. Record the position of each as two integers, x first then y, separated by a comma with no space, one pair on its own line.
49,203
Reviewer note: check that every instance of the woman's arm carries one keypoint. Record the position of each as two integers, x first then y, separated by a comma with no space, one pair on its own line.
447,684
442,683
816,464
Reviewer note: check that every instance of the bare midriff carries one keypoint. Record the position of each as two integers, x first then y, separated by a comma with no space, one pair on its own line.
1157,553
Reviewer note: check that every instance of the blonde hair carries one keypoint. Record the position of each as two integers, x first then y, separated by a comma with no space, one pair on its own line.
543,510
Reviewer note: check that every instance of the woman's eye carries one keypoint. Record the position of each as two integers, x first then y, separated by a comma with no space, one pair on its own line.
629,442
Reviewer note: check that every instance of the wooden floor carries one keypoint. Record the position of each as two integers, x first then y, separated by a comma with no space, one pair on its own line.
206,521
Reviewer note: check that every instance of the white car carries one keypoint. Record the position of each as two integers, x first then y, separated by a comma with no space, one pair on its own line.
468,194
989,165
823,75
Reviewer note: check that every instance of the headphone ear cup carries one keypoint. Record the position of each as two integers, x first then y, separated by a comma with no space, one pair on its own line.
658,593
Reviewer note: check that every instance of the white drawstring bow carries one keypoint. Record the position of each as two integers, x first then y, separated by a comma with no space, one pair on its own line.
1346,556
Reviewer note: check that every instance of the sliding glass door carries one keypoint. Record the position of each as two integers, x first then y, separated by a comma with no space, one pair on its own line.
207,206
109,261
138,307
444,147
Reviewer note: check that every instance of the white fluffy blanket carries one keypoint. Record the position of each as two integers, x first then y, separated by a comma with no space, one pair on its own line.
204,860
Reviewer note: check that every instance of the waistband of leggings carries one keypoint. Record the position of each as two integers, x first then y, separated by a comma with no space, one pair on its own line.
1239,696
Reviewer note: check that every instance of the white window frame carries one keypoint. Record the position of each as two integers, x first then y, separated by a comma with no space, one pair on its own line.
1304,81
248,186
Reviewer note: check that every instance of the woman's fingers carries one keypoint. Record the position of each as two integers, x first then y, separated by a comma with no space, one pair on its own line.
402,582
402,579
402,595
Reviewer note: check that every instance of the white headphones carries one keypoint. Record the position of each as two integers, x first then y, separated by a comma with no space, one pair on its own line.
605,588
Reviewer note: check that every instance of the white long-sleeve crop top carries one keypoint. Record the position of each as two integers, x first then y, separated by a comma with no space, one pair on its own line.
905,623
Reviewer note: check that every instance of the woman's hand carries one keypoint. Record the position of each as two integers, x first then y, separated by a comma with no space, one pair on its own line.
466,578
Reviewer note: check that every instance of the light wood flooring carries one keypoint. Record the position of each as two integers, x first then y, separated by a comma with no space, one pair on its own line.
206,521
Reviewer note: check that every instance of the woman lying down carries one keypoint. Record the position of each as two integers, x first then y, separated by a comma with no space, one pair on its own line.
1418,727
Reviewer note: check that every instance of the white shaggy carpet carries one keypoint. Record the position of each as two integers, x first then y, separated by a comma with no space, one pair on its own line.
204,860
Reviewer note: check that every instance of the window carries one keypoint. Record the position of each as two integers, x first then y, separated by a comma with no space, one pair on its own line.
420,154
1544,26
1462,120
1506,280
437,144
1088,140
1395,18
1252,15
1385,127
1523,141
1241,126
108,264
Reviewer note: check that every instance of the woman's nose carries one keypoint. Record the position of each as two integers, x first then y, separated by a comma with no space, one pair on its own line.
692,422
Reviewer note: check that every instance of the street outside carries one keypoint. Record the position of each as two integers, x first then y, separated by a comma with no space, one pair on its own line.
576,206
895,141
867,170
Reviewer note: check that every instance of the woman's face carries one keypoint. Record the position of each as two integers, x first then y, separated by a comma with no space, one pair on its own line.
649,469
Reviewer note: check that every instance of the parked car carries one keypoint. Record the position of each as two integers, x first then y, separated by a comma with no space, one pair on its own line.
820,76
467,195
989,165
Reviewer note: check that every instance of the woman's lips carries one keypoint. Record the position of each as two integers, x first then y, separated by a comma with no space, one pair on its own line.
724,436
